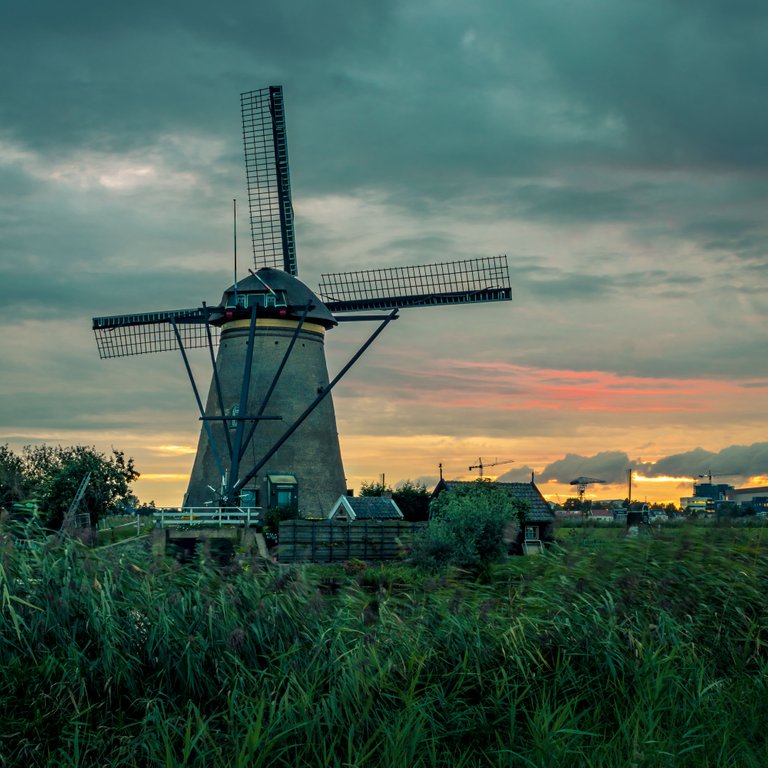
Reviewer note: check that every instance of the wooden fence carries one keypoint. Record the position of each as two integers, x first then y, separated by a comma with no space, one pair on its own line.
324,541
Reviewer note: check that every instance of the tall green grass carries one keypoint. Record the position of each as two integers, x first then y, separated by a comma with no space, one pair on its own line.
652,652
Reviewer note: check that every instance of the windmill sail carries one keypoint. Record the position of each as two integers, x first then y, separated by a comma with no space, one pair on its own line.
269,184
123,335
454,282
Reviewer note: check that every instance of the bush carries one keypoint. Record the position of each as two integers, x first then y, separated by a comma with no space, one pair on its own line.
274,515
467,528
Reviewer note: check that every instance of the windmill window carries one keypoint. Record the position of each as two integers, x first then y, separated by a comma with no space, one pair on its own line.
531,533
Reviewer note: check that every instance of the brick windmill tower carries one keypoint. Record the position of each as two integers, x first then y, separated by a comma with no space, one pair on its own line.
269,435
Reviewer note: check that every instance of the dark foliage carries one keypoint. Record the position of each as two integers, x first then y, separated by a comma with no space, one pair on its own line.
52,475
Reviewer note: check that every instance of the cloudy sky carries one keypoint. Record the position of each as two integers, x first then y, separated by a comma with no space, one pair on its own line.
615,150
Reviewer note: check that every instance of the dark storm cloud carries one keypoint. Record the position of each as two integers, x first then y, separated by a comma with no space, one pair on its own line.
517,475
731,464
555,284
114,75
447,91
736,461
610,466
62,295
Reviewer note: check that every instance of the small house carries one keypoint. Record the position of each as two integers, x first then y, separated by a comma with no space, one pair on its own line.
349,508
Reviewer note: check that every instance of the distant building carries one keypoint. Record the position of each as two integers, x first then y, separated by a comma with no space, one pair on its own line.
756,498
698,504
712,491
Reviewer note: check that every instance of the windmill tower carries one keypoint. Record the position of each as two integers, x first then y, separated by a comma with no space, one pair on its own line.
268,435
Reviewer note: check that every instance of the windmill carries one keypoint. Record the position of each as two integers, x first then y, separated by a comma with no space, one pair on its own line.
268,435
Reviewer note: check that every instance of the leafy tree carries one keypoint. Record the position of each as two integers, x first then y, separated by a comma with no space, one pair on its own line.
13,486
413,500
467,527
55,473
572,504
374,489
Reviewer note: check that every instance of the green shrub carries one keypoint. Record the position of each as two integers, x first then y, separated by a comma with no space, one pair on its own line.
467,528
274,515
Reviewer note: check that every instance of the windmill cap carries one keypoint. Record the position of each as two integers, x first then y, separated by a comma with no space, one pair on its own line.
293,296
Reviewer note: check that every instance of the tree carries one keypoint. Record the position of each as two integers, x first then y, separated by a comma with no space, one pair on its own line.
13,486
374,489
413,500
728,509
55,474
572,504
467,527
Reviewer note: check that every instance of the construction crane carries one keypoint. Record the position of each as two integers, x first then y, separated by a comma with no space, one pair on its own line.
482,466
709,474
581,484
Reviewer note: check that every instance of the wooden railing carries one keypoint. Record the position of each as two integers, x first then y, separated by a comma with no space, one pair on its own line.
209,517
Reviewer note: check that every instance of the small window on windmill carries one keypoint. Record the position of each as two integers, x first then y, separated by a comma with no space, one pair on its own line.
531,533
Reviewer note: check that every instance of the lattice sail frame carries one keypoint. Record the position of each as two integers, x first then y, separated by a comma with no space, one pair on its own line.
269,185
453,282
138,334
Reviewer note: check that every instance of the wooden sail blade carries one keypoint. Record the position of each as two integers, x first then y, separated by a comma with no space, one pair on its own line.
467,281
268,178
138,334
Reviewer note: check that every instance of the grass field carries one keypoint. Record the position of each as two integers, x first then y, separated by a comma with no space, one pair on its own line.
605,652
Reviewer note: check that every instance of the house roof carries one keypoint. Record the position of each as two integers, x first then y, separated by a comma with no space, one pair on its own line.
539,510
369,507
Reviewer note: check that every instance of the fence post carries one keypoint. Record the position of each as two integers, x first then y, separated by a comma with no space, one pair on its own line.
348,544
313,542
